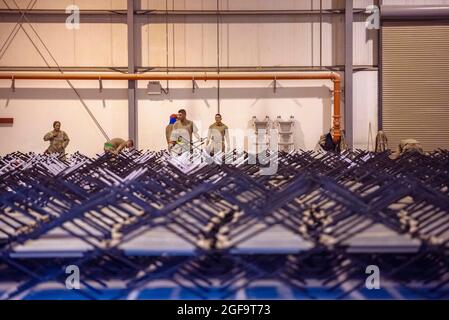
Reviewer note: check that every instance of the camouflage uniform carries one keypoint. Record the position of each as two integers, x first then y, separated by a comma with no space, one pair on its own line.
342,145
407,145
327,143
114,145
58,141
182,134
216,135
168,131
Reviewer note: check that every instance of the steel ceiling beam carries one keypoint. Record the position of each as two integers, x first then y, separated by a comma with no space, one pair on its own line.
124,13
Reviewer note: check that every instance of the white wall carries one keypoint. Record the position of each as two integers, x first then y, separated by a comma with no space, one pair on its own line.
97,43
244,41
251,41
365,108
308,101
35,105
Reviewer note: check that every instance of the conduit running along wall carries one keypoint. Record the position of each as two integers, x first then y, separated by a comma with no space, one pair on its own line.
334,77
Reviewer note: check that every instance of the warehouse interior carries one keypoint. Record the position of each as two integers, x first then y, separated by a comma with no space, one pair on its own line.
145,224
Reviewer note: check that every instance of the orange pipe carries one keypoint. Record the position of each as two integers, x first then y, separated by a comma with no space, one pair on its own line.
334,77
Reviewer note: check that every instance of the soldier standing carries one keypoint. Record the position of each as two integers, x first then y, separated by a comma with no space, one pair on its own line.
58,140
181,135
218,136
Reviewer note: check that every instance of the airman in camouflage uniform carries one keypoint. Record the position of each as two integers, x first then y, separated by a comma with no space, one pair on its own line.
218,136
181,135
58,139
116,145
407,145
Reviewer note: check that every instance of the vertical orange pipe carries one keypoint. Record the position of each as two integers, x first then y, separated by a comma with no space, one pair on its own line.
336,115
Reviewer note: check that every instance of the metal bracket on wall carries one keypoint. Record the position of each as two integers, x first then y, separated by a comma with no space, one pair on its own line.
100,84
13,84
275,85
167,90
194,85
332,92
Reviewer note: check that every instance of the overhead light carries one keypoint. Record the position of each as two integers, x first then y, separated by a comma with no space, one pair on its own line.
154,88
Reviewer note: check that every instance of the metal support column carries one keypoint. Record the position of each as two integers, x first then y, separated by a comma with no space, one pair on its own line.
132,84
379,76
348,116
218,56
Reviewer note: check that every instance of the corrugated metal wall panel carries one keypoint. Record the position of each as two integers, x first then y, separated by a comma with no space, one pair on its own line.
415,74
365,42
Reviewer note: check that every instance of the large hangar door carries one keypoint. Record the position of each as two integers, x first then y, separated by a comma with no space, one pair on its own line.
415,82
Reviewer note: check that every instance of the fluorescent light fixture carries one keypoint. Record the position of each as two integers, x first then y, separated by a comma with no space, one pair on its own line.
154,88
